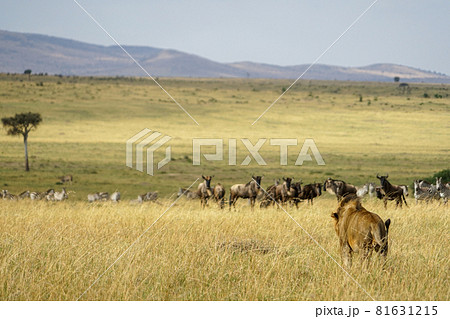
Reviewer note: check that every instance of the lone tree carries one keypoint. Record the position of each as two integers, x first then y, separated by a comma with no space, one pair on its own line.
28,72
22,123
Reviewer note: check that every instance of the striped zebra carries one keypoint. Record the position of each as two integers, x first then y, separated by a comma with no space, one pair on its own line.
7,195
443,189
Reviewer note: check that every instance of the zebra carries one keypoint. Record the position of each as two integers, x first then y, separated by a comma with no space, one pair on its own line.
23,195
115,197
93,197
7,195
41,195
443,190
148,197
424,191
57,196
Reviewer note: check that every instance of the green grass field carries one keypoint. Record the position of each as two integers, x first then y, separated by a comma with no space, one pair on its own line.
54,251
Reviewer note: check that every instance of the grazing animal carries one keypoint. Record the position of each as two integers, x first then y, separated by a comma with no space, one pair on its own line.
188,193
338,188
204,190
359,230
391,192
249,190
93,197
7,195
41,195
424,191
115,197
405,189
368,188
148,197
103,196
443,190
23,195
362,191
219,194
66,179
282,192
310,191
371,189
60,196
269,195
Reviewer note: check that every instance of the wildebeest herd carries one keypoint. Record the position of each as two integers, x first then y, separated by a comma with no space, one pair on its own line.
287,192
358,230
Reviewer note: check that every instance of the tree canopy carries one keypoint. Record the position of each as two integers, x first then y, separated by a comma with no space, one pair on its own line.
22,123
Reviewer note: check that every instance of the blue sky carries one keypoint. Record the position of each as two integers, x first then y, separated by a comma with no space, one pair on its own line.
408,32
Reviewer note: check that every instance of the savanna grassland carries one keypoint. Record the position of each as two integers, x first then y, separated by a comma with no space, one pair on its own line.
55,251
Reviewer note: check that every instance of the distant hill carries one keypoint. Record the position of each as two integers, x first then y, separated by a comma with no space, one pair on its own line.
46,54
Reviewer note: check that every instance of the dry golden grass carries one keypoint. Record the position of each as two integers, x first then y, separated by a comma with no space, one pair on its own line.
55,251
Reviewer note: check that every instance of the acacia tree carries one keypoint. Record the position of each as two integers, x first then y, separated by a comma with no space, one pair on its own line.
22,124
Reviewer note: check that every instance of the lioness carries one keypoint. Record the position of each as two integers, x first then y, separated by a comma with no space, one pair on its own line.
359,230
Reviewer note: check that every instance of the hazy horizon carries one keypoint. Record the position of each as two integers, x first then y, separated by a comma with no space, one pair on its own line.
407,32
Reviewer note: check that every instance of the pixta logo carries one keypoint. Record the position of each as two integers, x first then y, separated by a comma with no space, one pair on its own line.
253,150
150,146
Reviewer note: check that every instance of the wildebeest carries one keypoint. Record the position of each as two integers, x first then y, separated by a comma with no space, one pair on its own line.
282,192
249,190
219,194
66,179
338,188
204,190
442,189
359,230
268,196
310,191
391,192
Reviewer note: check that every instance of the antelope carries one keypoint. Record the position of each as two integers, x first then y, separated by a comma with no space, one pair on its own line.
204,190
219,194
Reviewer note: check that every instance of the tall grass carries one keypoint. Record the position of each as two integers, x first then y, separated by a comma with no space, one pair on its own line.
55,251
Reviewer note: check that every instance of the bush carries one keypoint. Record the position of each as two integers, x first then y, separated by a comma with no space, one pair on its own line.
445,174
